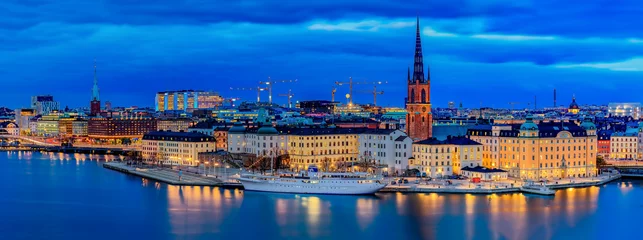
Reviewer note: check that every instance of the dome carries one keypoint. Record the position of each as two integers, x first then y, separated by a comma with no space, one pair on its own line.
588,124
267,130
237,128
529,124
573,105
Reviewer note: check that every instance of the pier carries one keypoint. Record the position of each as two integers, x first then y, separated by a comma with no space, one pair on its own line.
170,176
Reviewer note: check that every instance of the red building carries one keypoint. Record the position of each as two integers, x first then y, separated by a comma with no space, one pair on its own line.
418,102
604,143
102,127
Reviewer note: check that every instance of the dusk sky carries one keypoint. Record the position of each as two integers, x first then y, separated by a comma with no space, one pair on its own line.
487,51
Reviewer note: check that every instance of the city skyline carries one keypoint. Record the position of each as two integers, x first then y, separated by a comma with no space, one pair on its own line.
490,52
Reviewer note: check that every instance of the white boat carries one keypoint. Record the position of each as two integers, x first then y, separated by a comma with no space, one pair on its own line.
537,189
313,182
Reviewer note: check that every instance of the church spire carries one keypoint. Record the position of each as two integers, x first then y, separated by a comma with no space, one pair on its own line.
408,74
418,65
95,90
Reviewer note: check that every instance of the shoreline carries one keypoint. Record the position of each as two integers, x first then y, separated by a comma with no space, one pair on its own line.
170,176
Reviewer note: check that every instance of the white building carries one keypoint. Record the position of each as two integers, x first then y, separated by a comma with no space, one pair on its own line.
176,148
10,128
485,174
436,158
624,146
386,146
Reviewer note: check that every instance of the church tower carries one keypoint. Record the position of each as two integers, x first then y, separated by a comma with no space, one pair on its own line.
94,105
418,104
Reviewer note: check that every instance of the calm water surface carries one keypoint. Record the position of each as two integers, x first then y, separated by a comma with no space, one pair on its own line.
57,196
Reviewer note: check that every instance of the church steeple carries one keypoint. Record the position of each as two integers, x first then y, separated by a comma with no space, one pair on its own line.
95,90
418,65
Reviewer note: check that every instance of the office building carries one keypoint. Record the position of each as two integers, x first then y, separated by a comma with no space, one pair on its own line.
125,127
632,109
439,158
44,104
187,100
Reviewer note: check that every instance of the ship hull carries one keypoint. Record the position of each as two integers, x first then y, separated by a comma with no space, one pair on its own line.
324,187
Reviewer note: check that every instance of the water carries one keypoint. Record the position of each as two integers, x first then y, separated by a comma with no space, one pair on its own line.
57,196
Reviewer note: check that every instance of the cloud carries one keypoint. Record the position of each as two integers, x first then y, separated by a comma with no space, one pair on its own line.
631,65
512,37
370,25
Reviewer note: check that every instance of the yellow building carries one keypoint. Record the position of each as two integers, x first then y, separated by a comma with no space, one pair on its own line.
539,151
624,146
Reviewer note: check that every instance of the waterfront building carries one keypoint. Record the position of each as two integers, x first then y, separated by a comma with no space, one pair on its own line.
604,139
44,104
624,145
175,148
22,118
187,100
393,113
485,174
331,147
10,128
544,150
79,127
439,158
174,124
388,147
48,125
418,105
632,109
124,127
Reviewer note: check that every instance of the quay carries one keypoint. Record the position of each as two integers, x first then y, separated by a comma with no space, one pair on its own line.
508,186
170,176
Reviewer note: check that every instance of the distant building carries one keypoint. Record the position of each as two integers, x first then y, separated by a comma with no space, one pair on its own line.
485,174
107,127
317,107
604,138
22,118
632,109
176,148
187,100
48,126
108,106
79,128
44,104
173,125
573,107
10,128
94,104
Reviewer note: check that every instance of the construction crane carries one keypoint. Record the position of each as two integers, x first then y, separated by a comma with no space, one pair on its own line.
270,83
289,95
258,89
333,94
375,93
350,88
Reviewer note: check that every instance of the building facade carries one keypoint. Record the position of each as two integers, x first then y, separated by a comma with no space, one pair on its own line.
539,151
187,100
624,146
439,158
418,104
173,125
632,109
107,127
175,148
44,104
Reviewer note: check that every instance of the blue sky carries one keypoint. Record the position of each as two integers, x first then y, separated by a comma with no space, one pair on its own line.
488,51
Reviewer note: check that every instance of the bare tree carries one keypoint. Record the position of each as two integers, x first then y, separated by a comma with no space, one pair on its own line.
325,164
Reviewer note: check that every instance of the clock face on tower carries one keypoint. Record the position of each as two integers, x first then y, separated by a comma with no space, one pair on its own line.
423,109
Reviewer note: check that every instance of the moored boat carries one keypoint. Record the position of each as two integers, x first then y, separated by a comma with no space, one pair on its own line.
537,189
313,182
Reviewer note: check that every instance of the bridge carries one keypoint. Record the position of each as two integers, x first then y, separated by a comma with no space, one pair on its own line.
40,143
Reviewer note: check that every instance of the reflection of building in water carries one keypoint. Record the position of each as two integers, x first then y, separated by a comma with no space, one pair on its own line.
366,210
190,207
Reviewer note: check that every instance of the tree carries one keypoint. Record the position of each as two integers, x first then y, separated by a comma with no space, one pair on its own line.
600,161
325,164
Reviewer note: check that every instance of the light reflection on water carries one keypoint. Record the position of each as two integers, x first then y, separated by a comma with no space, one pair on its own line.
61,192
